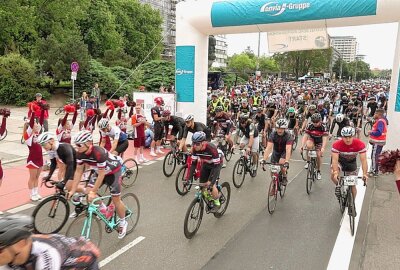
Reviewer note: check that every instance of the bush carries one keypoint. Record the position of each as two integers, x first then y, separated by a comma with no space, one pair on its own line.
18,80
157,73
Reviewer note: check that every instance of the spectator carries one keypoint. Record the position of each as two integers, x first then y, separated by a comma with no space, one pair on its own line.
139,123
83,102
1,178
37,113
96,94
377,138
149,136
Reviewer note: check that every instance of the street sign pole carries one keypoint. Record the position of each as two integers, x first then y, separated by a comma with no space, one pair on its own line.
74,73
73,90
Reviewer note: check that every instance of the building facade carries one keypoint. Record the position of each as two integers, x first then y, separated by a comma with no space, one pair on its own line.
221,52
346,46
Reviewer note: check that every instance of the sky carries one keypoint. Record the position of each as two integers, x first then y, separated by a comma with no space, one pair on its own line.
377,42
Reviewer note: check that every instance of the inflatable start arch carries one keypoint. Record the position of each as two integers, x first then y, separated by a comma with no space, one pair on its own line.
196,19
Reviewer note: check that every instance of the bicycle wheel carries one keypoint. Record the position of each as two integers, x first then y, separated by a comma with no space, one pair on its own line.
79,227
304,155
223,199
2,137
239,172
367,128
169,164
228,154
130,174
351,210
59,110
282,188
310,177
132,205
51,214
253,173
180,183
294,145
193,217
272,196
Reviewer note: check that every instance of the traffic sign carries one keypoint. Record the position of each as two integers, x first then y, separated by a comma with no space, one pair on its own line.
73,75
74,66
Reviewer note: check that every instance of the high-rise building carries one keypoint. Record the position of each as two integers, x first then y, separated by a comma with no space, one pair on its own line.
346,46
221,52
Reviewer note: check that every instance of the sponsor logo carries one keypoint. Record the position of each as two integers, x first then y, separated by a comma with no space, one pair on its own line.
276,9
182,71
320,42
281,46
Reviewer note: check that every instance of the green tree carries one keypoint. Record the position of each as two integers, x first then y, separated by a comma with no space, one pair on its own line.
242,64
158,73
340,64
268,64
359,70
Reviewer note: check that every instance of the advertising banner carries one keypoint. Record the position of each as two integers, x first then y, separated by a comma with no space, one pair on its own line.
147,102
184,73
250,12
298,40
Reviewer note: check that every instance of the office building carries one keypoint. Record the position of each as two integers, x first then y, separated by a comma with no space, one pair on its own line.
221,52
346,46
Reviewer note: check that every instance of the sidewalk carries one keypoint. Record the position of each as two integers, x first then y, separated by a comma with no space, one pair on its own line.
379,241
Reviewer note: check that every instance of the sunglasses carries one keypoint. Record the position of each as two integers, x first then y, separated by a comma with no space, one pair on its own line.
79,145
197,143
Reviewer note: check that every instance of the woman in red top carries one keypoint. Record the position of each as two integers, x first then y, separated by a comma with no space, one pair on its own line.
35,157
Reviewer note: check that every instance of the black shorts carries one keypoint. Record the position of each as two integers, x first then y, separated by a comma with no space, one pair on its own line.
122,146
157,131
208,134
348,166
111,180
176,131
276,156
205,173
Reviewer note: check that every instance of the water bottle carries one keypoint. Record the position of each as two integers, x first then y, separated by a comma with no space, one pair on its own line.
103,209
110,211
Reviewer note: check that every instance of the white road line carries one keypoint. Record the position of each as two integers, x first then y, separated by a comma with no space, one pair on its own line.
121,251
149,163
341,253
20,208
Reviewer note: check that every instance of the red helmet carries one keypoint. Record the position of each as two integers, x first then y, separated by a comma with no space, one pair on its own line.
166,113
159,101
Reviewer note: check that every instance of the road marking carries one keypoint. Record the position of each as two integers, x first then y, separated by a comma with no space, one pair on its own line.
341,253
149,163
121,251
20,208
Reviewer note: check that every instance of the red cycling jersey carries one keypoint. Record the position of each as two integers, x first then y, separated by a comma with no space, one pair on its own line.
348,153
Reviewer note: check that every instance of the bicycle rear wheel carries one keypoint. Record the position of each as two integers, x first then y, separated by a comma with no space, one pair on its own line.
351,210
239,173
132,206
272,196
169,164
50,215
193,217
80,227
131,172
367,128
180,183
224,199
228,154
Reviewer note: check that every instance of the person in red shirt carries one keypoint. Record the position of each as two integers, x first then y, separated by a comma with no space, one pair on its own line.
140,124
37,113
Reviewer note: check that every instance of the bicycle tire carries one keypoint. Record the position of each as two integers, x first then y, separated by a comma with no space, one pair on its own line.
253,173
198,216
367,127
294,145
351,210
59,110
133,207
228,154
272,198
239,170
309,179
76,229
342,203
224,199
180,181
304,156
54,202
131,172
2,137
282,189
169,162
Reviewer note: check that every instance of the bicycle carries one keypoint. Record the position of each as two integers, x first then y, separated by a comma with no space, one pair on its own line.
61,108
241,167
223,145
203,200
182,182
275,185
296,138
90,228
172,159
129,172
311,170
346,198
368,126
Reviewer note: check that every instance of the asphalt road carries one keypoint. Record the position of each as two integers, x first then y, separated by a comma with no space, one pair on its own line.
299,235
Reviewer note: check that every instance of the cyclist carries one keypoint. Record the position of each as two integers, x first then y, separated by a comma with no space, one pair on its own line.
156,115
270,114
108,169
371,106
211,168
214,102
20,249
244,108
257,99
192,126
342,121
344,157
250,138
315,137
293,121
280,145
120,139
261,122
311,109
177,123
223,121
226,106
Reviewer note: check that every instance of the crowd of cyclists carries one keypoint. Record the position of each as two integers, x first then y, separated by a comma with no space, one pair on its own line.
266,117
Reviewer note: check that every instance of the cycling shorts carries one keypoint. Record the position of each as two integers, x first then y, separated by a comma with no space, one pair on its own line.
176,131
256,143
111,180
276,156
206,175
122,146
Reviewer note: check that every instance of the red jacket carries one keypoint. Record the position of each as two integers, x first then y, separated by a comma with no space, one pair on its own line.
38,113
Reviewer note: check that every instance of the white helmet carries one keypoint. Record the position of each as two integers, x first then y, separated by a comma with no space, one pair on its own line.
103,123
45,137
300,98
83,137
281,123
339,118
348,132
189,117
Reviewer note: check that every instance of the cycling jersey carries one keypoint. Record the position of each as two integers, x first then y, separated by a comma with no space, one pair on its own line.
270,110
348,153
249,129
341,125
155,110
372,106
54,252
178,125
115,133
211,163
65,154
260,120
246,110
197,127
99,158
292,120
224,121
280,142
316,133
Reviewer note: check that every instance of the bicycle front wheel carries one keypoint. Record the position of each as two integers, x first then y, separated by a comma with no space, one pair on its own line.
81,226
131,172
50,215
181,185
272,196
224,199
193,217
367,128
239,172
310,177
351,209
132,206
169,164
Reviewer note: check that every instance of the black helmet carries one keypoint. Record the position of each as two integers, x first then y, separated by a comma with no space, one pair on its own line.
344,98
14,228
316,117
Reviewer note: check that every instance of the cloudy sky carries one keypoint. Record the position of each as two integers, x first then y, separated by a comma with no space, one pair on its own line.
377,42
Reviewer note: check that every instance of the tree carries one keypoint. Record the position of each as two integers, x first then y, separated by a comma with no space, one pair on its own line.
242,64
268,64
158,73
359,70
340,64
